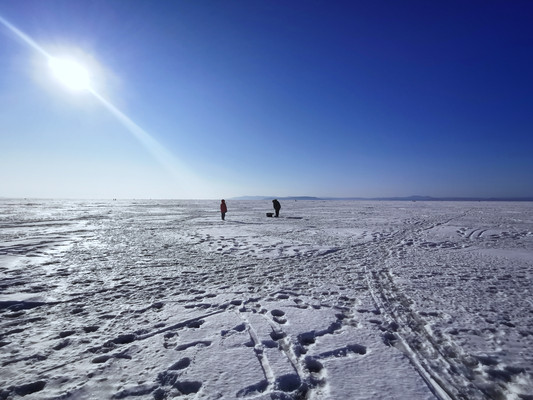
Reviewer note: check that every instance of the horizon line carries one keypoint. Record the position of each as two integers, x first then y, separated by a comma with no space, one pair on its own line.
308,198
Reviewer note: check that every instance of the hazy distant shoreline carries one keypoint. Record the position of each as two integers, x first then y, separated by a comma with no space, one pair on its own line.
310,198
409,198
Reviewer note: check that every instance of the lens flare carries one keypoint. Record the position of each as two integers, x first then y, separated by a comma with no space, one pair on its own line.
75,77
69,73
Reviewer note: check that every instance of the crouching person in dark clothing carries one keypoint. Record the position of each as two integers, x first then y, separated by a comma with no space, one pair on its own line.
277,206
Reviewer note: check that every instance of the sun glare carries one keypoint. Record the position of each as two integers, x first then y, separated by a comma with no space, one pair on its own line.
70,73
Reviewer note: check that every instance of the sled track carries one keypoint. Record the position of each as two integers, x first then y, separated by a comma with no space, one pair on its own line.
394,308
443,365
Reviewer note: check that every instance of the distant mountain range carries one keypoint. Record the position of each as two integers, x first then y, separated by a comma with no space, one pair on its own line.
408,198
279,198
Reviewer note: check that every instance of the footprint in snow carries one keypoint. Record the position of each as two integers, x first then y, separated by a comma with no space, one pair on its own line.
343,351
62,344
239,328
64,334
168,384
181,364
26,389
278,316
288,382
313,365
198,343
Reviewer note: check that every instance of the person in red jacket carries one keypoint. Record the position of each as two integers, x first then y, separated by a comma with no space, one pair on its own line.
223,209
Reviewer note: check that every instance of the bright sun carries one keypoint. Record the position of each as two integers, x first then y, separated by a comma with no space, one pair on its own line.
70,73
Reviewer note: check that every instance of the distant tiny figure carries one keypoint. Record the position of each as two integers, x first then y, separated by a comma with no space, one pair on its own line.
223,209
277,206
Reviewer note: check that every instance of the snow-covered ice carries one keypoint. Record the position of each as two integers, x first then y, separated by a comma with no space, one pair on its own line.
333,300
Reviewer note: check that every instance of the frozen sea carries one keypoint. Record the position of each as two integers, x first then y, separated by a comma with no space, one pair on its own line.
333,300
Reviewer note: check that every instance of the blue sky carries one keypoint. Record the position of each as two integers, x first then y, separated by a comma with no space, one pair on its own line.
319,98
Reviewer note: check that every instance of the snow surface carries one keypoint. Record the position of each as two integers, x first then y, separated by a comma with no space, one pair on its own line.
333,300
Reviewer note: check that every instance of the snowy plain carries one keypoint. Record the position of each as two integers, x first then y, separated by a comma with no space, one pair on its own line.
333,300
